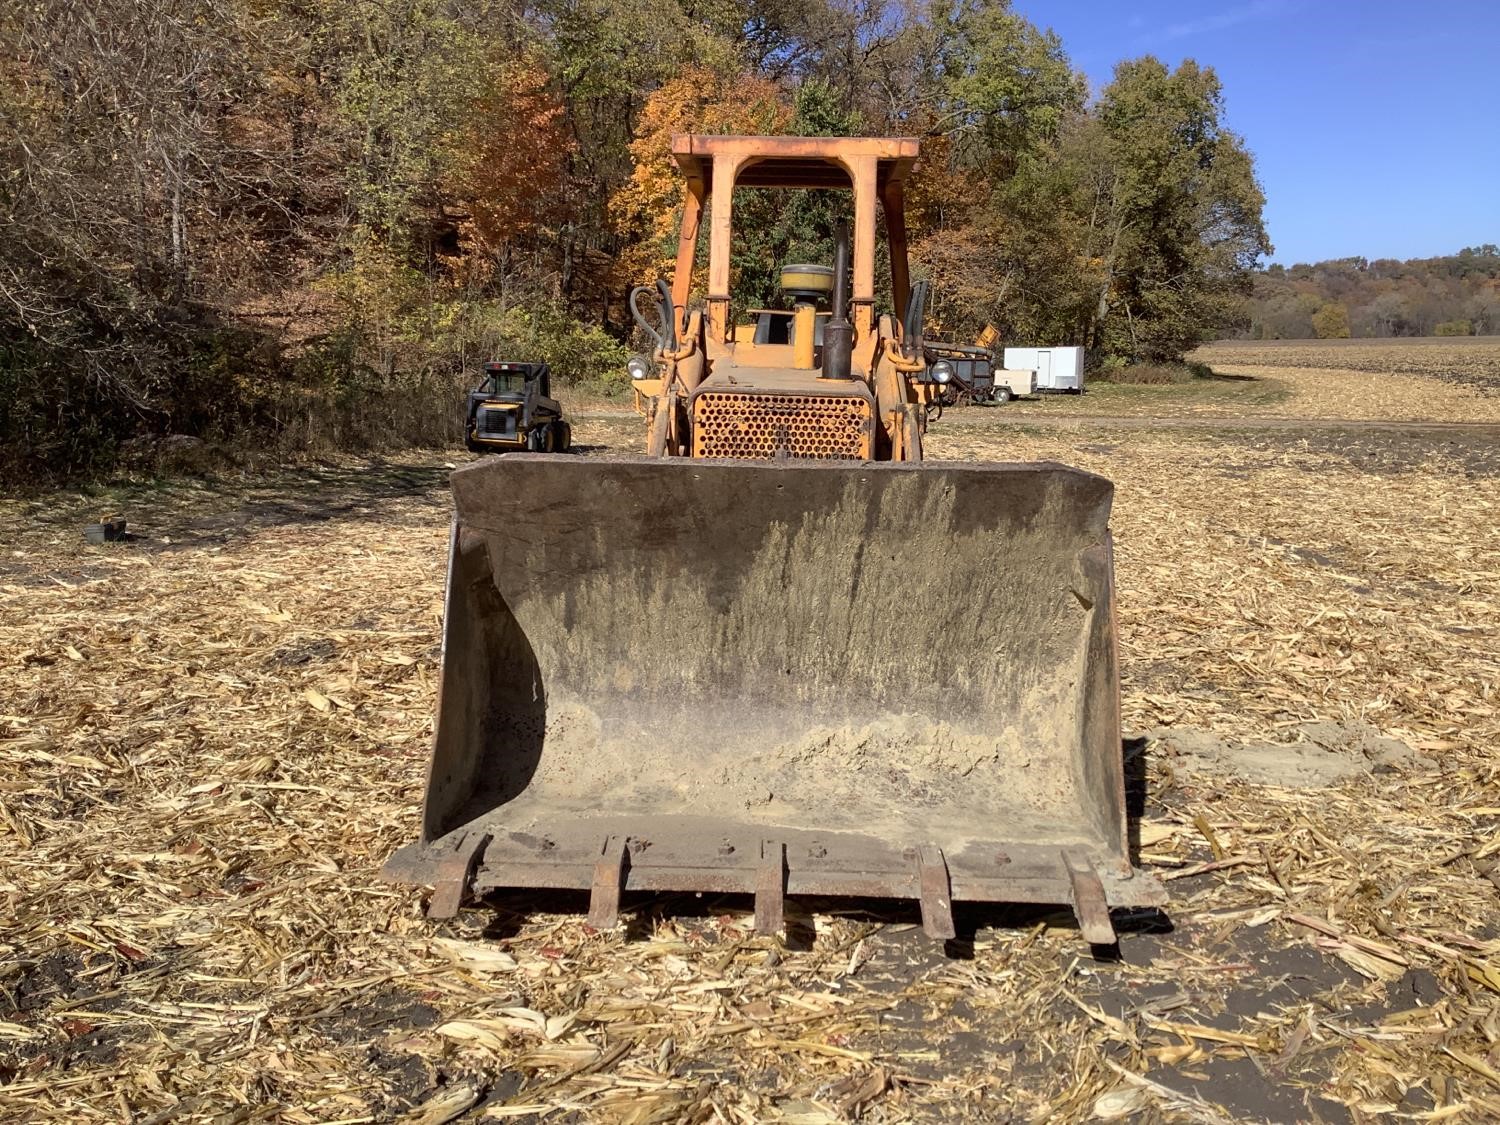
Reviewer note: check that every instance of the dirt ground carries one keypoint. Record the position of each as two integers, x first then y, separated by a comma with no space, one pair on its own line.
212,735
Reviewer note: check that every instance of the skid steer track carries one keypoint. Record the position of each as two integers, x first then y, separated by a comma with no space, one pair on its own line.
780,678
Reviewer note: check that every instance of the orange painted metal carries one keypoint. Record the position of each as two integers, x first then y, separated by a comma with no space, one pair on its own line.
874,168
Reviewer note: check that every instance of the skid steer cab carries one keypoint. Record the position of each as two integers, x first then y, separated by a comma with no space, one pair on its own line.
512,409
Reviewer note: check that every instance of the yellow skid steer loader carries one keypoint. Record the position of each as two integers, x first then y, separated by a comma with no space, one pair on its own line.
714,668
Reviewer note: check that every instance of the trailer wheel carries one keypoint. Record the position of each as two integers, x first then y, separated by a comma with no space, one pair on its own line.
1001,395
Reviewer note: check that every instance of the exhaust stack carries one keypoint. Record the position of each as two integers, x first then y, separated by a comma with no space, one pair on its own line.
838,334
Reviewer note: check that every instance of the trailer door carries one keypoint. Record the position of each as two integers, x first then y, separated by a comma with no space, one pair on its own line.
1044,368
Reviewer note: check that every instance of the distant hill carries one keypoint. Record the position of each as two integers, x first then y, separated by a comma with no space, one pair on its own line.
1457,295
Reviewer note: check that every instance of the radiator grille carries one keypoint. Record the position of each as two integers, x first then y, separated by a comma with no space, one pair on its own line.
759,426
496,423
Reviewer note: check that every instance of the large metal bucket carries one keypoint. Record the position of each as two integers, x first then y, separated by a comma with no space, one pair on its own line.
780,678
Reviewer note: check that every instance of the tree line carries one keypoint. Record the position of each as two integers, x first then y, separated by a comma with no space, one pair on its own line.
303,221
1455,295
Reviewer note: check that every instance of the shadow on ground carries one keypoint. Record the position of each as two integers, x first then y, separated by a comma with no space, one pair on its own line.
187,514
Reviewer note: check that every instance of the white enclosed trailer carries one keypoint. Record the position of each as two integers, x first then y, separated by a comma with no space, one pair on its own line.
1057,369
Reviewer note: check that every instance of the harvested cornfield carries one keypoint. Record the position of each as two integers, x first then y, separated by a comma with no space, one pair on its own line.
1472,361
1293,381
213,734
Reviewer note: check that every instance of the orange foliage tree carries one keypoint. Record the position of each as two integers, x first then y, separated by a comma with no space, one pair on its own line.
508,170
647,210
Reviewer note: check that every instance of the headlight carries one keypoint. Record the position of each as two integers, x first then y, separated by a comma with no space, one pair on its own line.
639,367
941,371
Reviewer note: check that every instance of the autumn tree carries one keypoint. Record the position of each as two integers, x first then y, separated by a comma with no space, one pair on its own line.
647,210
1331,321
506,177
1179,228
1382,297
990,204
142,191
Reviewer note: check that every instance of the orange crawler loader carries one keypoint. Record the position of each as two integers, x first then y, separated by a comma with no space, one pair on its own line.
716,668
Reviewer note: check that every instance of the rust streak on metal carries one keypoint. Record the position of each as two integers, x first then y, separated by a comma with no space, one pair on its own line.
893,205
687,248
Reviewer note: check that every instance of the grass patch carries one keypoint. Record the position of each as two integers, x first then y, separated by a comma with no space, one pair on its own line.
1147,375
1152,387
1156,374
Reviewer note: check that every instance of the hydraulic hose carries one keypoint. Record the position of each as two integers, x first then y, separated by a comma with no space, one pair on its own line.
664,332
668,315
916,311
635,311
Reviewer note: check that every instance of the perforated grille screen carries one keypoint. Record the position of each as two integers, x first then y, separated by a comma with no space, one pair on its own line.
760,426
497,423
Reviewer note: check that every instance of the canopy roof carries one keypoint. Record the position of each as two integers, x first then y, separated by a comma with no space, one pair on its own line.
804,162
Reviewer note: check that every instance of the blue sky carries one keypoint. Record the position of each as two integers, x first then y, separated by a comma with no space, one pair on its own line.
1375,126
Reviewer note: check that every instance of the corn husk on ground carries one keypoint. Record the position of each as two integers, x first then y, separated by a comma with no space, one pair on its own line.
212,736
